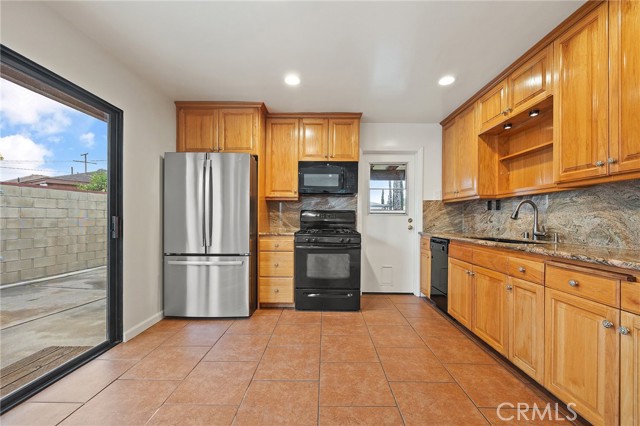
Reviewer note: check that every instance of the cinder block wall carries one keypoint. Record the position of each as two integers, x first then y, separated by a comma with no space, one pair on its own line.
46,232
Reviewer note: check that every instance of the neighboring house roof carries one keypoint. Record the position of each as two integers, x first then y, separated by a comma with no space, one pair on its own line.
63,180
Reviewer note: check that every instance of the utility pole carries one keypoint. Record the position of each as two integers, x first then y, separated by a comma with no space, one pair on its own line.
84,161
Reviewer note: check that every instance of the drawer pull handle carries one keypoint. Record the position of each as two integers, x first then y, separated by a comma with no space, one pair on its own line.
607,324
573,283
277,290
624,331
522,269
276,264
509,287
276,245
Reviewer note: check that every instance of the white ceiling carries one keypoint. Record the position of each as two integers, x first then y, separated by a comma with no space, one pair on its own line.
380,58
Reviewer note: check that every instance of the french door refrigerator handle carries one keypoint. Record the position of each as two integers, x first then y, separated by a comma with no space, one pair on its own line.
205,263
204,202
210,203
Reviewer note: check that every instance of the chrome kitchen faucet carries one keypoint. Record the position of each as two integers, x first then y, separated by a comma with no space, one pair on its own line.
538,231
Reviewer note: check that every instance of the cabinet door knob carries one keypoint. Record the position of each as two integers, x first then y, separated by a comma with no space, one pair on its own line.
607,324
612,160
277,290
599,163
522,269
573,283
509,287
624,331
276,264
276,245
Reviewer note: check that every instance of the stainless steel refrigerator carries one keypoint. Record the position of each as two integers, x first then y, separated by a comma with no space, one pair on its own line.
210,234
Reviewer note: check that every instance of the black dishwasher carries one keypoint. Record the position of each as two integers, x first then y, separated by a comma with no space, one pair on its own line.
439,272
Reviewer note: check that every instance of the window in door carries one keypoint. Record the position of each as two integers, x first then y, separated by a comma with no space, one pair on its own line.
388,188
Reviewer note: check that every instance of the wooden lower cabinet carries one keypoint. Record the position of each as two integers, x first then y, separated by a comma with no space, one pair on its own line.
525,302
460,295
629,369
490,315
425,272
582,355
275,269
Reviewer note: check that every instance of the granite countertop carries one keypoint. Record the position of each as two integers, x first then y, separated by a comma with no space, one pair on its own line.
621,258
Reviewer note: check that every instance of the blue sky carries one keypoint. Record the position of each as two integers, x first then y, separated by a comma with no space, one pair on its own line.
41,136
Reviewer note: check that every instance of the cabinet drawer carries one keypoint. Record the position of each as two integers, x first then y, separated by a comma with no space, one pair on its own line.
461,252
528,270
275,244
631,297
276,264
583,283
425,243
276,290
490,259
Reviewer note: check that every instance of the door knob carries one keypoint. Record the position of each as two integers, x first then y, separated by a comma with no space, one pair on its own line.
276,264
573,283
599,163
607,324
410,227
522,269
624,331
509,287
612,160
277,290
410,220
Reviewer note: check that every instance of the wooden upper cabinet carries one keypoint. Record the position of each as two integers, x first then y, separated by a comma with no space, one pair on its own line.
582,355
492,108
219,127
466,170
624,48
344,137
282,158
314,139
629,369
196,130
449,160
531,83
238,130
581,130
460,298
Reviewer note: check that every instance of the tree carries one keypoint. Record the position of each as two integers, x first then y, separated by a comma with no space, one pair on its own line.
98,182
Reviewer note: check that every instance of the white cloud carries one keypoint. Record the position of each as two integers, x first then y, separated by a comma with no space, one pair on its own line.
88,139
20,106
22,157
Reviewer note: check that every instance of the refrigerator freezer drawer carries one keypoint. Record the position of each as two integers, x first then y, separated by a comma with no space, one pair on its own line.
207,286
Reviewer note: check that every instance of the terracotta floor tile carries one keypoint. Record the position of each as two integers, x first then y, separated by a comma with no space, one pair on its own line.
138,347
344,325
124,402
335,348
279,403
364,416
511,417
84,383
458,350
289,363
261,324
38,414
441,404
376,304
434,326
417,310
215,383
395,336
412,364
352,314
167,363
404,299
169,324
238,347
296,335
354,384
492,385
290,316
192,415
200,333
384,318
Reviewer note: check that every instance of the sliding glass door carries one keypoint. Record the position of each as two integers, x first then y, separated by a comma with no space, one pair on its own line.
60,242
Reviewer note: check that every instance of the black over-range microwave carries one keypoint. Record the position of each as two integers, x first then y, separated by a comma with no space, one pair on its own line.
321,177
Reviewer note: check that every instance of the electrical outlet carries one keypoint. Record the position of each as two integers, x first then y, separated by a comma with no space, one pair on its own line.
498,204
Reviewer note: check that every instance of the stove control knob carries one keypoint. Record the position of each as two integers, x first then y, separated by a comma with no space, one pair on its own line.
342,240
313,240
348,240
306,240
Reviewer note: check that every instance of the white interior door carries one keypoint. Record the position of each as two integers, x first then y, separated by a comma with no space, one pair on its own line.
389,226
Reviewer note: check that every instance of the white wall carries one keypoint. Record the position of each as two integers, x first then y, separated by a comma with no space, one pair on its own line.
409,137
34,31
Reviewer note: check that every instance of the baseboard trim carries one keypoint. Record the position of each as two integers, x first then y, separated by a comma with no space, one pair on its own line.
142,326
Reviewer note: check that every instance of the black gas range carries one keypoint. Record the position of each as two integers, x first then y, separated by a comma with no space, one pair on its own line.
327,261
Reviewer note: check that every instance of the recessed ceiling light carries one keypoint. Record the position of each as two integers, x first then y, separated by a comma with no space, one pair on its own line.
292,79
446,80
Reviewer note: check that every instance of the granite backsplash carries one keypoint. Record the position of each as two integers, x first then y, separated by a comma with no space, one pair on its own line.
606,215
284,216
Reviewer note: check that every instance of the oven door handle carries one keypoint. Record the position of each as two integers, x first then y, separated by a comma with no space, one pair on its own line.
330,247
330,296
